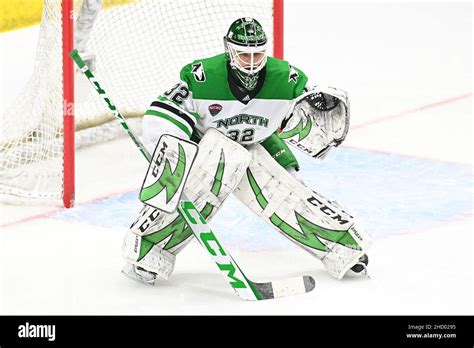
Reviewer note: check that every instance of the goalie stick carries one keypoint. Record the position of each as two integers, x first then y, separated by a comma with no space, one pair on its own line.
244,287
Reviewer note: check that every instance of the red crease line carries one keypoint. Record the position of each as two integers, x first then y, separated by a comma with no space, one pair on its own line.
411,111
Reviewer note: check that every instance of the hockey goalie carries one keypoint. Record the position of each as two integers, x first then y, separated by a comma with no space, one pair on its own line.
242,108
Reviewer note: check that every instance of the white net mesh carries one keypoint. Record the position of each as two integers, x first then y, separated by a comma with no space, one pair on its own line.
137,49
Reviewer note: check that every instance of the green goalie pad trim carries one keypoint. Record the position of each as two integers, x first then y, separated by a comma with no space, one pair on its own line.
169,180
309,231
171,119
178,230
216,186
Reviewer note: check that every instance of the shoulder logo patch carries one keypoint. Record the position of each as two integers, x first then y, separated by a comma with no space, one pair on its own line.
293,76
214,109
198,72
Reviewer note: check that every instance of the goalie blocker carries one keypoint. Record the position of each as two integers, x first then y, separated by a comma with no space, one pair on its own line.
223,166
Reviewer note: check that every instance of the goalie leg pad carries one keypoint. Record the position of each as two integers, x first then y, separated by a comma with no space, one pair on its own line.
156,259
217,169
300,214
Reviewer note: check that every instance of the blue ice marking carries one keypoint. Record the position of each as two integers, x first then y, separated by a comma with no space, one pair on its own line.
388,194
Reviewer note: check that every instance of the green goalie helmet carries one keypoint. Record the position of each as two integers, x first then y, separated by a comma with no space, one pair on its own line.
245,47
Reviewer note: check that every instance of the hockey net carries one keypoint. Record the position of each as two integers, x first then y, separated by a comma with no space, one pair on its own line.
135,48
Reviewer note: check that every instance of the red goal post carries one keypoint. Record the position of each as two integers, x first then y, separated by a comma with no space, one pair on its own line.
67,10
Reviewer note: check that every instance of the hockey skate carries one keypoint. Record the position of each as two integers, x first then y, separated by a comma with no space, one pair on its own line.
360,268
139,274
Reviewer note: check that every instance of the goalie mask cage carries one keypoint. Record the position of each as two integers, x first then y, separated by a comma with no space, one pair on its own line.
136,49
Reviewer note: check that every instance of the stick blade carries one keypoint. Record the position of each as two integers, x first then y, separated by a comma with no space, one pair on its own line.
285,287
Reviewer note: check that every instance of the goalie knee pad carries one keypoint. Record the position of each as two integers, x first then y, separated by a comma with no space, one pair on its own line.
300,214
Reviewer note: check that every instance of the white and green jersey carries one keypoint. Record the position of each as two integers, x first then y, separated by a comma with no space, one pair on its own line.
208,97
